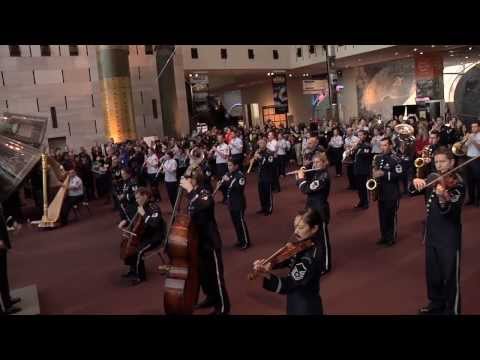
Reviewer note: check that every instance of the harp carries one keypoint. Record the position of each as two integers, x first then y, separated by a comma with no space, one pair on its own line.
21,136
53,176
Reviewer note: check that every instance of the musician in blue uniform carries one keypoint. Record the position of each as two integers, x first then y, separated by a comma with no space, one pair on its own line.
443,237
234,184
265,160
317,189
7,303
152,236
302,284
388,171
362,168
201,209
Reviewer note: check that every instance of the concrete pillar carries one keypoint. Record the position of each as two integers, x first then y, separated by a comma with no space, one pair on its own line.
116,92
173,94
332,81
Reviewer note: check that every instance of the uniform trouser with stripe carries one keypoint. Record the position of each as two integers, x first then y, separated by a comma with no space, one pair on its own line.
238,219
387,212
362,189
4,286
266,196
327,261
172,188
282,160
221,169
298,153
276,175
136,262
443,277
473,181
212,280
351,178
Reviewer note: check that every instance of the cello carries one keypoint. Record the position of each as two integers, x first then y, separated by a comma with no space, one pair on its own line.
182,283
132,236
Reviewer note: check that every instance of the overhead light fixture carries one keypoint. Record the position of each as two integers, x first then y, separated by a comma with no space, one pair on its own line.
196,75
290,75
466,57
396,53
421,52
451,51
415,49
452,55
470,48
190,75
433,46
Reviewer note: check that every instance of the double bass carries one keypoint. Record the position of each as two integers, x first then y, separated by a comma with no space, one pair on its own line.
182,283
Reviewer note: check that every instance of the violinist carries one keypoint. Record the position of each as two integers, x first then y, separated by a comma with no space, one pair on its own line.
201,209
128,205
154,230
317,189
442,237
302,284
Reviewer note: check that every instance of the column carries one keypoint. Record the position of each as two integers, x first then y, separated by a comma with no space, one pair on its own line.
173,95
116,92
332,81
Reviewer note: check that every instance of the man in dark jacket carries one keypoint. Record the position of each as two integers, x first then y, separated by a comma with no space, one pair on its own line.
7,302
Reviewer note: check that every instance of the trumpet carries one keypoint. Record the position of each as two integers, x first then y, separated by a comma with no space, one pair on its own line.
459,148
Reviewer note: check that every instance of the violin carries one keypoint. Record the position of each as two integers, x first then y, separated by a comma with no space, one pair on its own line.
286,252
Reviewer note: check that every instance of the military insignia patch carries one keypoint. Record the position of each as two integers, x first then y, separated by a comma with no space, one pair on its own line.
270,159
314,185
299,271
154,215
454,196
398,169
241,181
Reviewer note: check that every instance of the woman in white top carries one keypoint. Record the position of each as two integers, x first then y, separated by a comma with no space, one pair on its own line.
171,183
283,148
336,150
376,139
152,164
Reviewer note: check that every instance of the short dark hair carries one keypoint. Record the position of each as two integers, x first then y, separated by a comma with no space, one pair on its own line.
435,132
142,190
443,150
474,122
311,217
234,161
387,138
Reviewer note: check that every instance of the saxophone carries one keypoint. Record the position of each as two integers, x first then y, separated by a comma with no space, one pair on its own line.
372,183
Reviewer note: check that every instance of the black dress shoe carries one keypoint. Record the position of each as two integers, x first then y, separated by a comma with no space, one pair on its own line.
218,312
12,310
205,304
380,242
128,274
244,247
136,281
14,301
429,310
390,243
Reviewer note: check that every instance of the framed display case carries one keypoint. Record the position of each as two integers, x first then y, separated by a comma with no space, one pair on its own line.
268,113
